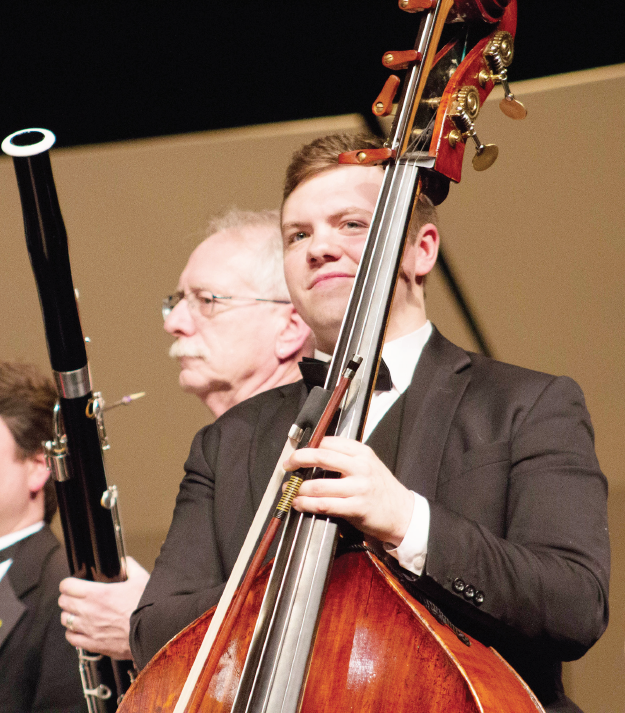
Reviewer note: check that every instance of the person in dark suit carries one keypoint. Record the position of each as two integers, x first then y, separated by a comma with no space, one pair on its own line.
479,478
38,667
229,348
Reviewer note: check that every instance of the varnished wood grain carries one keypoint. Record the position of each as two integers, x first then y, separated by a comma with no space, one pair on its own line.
377,649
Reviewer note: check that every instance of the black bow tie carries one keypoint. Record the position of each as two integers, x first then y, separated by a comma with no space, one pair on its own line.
314,372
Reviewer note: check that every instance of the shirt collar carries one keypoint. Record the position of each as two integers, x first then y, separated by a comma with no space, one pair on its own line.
401,355
13,537
4,567
322,356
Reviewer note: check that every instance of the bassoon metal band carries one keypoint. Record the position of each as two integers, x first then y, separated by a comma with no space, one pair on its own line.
73,384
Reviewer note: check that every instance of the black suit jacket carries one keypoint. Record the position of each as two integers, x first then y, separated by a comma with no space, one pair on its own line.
38,667
506,459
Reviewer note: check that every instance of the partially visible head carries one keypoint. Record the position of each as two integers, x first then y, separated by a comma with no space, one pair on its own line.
322,155
226,352
326,214
27,400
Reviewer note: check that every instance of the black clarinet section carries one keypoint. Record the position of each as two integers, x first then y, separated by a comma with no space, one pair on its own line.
87,506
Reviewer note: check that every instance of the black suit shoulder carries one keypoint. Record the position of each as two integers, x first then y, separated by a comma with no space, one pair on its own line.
255,414
497,379
511,382
499,398
226,473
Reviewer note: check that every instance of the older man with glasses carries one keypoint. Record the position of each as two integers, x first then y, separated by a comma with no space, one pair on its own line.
237,334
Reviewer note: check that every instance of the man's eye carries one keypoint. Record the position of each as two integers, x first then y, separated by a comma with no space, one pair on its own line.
296,237
205,299
354,224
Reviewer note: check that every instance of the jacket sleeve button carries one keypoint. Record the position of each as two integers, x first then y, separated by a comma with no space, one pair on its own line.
469,592
478,599
458,585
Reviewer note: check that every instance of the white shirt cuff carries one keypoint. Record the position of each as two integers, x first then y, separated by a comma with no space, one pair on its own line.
412,550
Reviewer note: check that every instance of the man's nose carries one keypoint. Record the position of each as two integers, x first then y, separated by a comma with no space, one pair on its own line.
324,246
179,322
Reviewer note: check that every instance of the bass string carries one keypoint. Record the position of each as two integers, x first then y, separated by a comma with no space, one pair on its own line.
291,561
380,271
307,606
420,140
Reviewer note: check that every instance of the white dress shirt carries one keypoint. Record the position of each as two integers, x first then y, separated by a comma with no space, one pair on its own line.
401,356
11,539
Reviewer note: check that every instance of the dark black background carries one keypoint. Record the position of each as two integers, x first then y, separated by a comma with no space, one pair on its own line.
94,71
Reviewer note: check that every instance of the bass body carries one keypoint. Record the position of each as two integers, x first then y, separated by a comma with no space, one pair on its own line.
389,643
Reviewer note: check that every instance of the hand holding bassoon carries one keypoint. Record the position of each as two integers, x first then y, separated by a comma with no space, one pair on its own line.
101,612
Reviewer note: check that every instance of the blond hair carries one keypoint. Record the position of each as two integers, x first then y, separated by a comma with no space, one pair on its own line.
269,271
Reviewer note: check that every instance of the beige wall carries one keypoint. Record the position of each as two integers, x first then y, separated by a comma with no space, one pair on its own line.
537,242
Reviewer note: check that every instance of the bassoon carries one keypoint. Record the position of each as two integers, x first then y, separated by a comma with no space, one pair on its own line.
87,505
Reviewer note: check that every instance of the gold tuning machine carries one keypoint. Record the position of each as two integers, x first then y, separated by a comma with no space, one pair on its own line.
499,53
464,111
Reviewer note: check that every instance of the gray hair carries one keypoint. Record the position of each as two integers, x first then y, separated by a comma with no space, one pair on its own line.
269,271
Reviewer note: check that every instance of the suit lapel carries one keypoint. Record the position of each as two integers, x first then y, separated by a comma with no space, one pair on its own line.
439,382
11,609
25,572
22,576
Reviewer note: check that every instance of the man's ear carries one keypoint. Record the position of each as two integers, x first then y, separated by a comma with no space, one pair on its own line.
294,336
427,243
38,473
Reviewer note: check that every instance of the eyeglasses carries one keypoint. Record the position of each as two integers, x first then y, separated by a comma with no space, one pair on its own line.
202,302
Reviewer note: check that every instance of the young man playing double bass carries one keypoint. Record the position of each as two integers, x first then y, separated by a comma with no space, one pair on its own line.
482,482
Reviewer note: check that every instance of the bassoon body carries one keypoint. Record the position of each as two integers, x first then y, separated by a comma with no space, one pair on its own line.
88,507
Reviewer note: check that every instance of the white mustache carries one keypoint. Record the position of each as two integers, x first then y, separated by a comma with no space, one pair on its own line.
181,348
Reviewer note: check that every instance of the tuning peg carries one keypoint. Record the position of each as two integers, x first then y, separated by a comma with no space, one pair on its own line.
383,105
400,60
485,155
366,157
464,111
512,108
499,53
415,5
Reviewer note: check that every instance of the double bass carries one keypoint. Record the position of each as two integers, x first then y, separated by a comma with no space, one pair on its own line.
327,626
